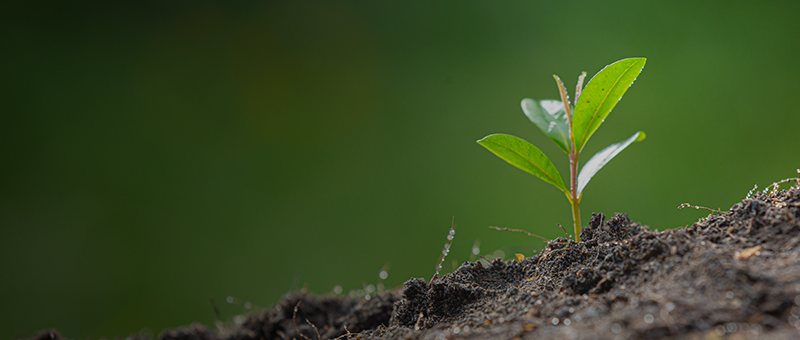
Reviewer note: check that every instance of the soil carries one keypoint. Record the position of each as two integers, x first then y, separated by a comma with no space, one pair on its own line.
730,275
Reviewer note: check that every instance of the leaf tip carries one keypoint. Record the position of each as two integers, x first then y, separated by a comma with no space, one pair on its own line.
643,60
485,139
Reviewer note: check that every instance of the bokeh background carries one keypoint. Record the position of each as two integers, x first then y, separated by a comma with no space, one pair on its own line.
157,154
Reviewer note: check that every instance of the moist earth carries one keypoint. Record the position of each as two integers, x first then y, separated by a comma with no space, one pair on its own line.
733,274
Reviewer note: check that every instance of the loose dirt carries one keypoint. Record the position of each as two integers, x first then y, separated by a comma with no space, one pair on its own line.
732,275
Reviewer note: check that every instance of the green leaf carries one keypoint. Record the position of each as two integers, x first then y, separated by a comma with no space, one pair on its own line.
521,154
599,160
548,115
601,95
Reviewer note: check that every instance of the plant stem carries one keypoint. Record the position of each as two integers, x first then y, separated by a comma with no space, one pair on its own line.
573,197
575,200
576,216
573,170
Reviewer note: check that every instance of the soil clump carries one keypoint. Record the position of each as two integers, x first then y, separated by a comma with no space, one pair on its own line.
734,274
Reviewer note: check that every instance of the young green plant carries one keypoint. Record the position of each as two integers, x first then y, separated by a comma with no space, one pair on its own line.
570,127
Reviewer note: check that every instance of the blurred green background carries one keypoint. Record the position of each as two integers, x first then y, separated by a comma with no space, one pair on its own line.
158,153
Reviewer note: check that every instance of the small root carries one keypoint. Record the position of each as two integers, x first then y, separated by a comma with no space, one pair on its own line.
519,231
419,319
687,205
348,334
750,193
315,329
564,229
294,321
777,185
450,236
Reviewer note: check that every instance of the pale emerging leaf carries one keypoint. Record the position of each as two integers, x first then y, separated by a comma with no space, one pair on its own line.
548,115
599,160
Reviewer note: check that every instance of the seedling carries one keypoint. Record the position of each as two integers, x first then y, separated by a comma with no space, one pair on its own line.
570,130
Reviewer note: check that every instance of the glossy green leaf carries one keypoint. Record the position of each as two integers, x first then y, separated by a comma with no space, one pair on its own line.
521,154
601,95
548,115
599,160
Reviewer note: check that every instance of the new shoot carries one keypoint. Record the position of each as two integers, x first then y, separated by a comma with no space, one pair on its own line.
570,126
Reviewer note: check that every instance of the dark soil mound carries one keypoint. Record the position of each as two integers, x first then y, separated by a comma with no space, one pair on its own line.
736,274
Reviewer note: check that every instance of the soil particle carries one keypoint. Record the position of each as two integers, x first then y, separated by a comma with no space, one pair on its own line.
734,275
311,317
302,316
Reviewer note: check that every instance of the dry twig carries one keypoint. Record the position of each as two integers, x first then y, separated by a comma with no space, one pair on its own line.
687,205
520,231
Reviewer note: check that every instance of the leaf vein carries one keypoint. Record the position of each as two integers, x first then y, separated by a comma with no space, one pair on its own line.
594,115
529,161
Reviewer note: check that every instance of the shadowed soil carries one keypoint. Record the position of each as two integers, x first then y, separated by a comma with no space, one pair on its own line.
733,275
